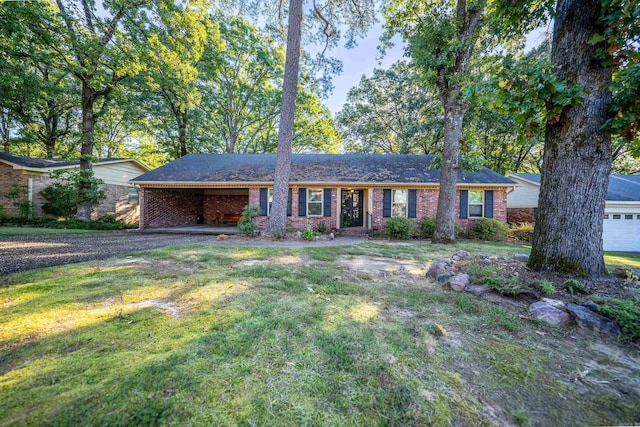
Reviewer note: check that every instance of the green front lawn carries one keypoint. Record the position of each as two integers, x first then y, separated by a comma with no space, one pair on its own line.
222,335
35,231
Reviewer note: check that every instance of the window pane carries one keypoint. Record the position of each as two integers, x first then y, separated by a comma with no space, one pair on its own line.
399,196
315,195
628,217
475,197
616,216
475,210
399,209
314,208
269,201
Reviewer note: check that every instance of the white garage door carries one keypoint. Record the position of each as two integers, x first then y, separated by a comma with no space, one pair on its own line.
621,232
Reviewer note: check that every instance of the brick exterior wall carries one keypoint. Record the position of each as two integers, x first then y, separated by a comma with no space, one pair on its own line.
9,176
161,208
216,206
117,200
295,220
520,215
167,208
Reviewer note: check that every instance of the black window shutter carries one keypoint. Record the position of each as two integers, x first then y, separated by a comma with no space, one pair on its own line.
289,202
412,204
488,203
327,202
264,199
302,202
386,203
464,204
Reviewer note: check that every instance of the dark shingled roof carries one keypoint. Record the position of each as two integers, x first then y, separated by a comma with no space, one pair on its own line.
335,168
30,162
622,188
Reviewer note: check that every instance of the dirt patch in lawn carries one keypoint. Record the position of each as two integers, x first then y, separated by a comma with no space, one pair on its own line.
283,260
382,266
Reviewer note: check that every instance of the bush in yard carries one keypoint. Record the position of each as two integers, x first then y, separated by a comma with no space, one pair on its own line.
489,229
522,232
400,228
321,228
64,195
246,223
427,226
624,311
19,195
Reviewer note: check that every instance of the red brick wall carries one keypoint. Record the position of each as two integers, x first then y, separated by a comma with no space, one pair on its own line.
181,208
169,208
215,206
427,204
294,220
9,176
520,215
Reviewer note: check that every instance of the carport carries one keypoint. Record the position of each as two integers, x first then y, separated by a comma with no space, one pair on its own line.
174,207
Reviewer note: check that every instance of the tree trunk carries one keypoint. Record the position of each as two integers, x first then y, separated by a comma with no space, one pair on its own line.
278,214
577,152
454,111
88,98
5,127
182,134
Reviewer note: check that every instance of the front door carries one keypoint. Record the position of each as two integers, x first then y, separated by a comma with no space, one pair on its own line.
352,211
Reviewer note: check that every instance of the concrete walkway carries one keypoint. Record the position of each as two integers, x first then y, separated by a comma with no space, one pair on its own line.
194,229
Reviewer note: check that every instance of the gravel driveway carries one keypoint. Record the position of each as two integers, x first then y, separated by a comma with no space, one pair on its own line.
25,252
21,253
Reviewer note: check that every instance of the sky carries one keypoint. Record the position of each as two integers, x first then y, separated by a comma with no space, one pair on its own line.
356,62
362,59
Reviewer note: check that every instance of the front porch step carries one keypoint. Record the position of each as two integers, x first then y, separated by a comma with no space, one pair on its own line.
352,231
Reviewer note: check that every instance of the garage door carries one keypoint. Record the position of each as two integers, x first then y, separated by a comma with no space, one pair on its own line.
621,232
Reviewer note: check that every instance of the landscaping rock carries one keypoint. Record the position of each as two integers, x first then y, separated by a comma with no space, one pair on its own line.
548,313
460,255
443,278
520,257
477,290
483,257
222,237
587,319
591,305
502,301
438,268
554,303
459,282
332,236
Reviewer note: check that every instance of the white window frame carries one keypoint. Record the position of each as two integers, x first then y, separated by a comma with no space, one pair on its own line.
469,204
315,202
269,200
395,212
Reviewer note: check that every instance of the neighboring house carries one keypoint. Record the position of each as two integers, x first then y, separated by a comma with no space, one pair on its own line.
357,191
122,197
621,225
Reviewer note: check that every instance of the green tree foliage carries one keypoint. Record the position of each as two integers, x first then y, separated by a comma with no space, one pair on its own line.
443,38
37,100
393,111
174,42
70,188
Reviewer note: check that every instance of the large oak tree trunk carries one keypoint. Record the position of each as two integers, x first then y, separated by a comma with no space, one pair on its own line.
577,152
444,231
278,214
86,150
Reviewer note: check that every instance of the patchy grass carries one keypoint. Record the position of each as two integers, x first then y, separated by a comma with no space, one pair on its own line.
622,259
223,335
35,231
